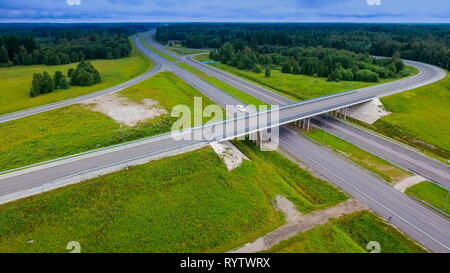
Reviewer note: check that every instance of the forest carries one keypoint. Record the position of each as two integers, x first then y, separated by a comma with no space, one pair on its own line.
429,43
55,44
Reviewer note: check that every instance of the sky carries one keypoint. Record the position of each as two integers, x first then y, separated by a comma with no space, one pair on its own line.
390,11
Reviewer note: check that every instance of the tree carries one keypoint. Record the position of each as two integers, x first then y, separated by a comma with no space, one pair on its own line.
84,74
267,72
64,83
57,79
286,68
47,85
4,58
36,85
296,69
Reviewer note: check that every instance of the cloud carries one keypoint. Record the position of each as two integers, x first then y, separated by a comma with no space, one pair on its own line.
374,2
220,10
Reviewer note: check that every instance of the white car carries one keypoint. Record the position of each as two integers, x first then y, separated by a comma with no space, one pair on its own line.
240,108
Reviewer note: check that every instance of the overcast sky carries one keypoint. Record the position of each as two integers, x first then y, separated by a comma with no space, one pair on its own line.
225,10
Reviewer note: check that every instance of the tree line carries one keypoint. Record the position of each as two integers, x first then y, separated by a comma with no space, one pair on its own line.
318,61
84,74
429,43
62,45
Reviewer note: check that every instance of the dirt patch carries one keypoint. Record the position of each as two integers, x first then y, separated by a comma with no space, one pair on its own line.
124,110
368,112
404,184
300,224
230,155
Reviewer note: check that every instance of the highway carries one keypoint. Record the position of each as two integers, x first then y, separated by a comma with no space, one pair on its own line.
397,154
424,225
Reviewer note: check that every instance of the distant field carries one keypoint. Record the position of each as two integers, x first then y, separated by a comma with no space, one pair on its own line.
432,194
349,234
75,128
379,166
16,81
185,203
297,87
420,118
246,98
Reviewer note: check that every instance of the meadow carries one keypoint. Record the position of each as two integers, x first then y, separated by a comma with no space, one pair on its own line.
74,129
16,81
297,87
185,203
349,234
379,166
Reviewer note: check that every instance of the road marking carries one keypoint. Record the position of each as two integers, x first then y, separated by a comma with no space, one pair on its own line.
371,198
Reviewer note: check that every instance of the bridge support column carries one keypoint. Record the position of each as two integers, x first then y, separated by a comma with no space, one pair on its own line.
308,121
259,138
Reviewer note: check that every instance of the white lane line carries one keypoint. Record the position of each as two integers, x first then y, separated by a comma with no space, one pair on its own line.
371,198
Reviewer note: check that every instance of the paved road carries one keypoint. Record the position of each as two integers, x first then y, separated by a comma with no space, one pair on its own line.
400,155
63,103
426,226
416,220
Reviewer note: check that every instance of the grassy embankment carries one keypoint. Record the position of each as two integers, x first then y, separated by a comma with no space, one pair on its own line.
16,81
431,193
419,118
185,203
349,234
379,166
297,87
75,128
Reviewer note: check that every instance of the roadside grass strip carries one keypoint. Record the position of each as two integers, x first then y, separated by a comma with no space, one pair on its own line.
246,98
379,166
434,195
159,52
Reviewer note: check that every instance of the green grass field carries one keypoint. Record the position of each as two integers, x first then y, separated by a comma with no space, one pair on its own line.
420,118
185,203
349,234
244,97
297,87
431,193
75,128
379,166
16,81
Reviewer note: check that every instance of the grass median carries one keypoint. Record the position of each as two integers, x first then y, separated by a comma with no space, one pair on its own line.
438,197
16,81
185,203
379,166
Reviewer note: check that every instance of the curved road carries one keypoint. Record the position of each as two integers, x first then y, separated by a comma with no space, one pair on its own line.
429,228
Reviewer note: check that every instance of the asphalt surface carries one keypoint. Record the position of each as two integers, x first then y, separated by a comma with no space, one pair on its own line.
424,225
397,154
75,100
